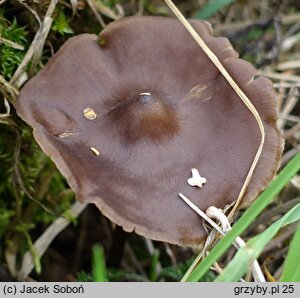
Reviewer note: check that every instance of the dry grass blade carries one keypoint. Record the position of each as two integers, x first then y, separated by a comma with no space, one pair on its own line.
276,211
215,213
35,50
288,107
8,90
285,85
106,10
292,131
22,66
237,89
11,44
32,11
289,65
43,242
44,30
236,25
280,76
289,155
30,52
95,11
74,4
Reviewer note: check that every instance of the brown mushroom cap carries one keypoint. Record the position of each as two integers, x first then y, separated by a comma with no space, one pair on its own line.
126,117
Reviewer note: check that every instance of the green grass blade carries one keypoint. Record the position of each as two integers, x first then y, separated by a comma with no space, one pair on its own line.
291,269
241,225
211,8
154,263
99,268
237,268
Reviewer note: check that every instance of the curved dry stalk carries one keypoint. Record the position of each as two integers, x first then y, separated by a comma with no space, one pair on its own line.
217,214
238,91
43,242
35,50
23,3
11,44
95,12
213,212
8,90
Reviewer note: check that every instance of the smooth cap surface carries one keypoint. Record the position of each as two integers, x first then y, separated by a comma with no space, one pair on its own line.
125,121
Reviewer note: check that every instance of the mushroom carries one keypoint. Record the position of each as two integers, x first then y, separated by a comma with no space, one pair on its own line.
126,116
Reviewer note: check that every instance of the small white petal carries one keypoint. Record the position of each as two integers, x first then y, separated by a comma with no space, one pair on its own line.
196,179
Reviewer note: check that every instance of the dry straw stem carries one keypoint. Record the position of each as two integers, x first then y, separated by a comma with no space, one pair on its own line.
289,155
213,212
43,242
236,88
292,131
8,90
74,4
36,48
4,117
268,215
11,44
289,65
217,214
288,107
279,76
106,10
285,20
95,12
21,68
44,31
22,2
